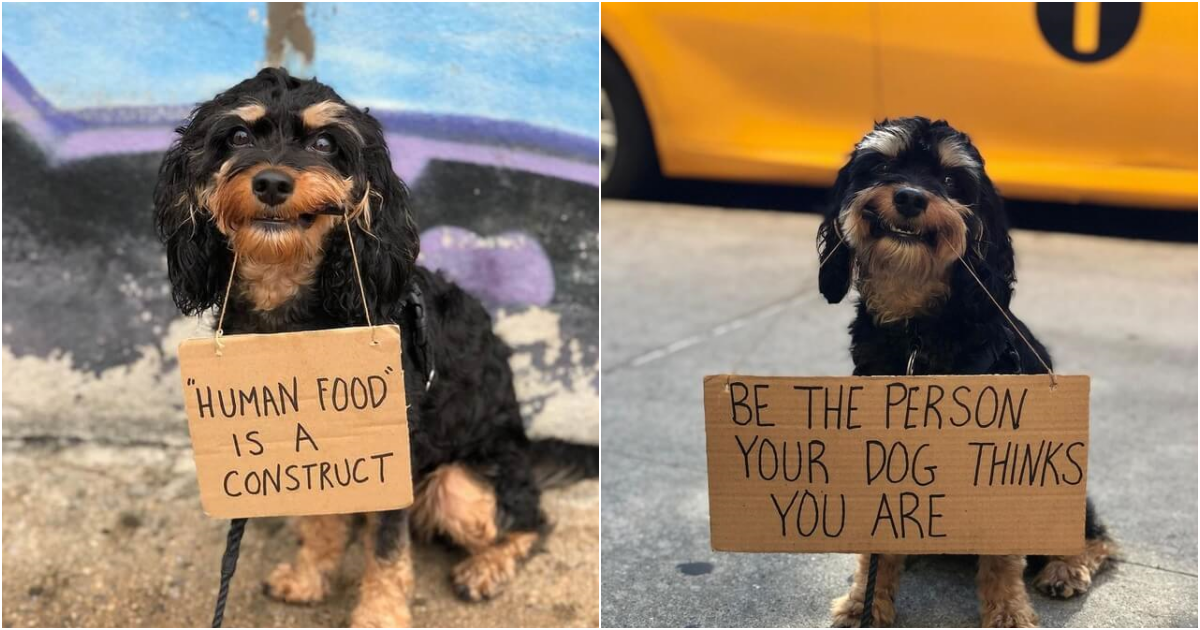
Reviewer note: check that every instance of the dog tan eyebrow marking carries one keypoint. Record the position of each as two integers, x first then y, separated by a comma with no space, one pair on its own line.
251,112
324,114
889,141
953,154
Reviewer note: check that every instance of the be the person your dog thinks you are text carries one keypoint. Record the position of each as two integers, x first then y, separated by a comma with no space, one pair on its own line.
990,464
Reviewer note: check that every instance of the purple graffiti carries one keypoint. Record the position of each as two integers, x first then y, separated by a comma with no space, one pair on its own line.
416,139
505,270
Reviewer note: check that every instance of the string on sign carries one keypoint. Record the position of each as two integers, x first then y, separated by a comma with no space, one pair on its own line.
831,252
219,345
1017,329
358,274
1003,311
220,332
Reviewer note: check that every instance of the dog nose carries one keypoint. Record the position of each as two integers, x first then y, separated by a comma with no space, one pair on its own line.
909,202
273,187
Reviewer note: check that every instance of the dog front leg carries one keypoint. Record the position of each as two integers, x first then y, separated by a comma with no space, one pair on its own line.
388,581
1003,602
848,609
1068,576
305,580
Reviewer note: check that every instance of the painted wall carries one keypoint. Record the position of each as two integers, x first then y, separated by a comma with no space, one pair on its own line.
491,115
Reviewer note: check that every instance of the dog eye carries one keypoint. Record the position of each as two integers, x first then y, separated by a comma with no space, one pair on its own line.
949,182
323,144
240,138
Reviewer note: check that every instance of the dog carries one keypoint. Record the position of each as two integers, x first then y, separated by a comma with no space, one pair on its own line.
912,209
270,171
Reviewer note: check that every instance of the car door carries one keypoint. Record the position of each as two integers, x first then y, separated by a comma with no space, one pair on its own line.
750,91
1073,101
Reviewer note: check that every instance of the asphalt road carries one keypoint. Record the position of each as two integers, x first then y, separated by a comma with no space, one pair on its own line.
692,291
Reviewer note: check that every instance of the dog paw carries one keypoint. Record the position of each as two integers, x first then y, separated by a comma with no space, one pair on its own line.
847,613
1010,615
295,586
393,616
1062,579
481,577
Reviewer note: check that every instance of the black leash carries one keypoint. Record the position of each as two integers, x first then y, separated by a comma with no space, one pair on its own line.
869,595
414,301
233,545
873,563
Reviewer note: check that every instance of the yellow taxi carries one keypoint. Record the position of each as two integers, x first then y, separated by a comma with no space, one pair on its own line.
1072,102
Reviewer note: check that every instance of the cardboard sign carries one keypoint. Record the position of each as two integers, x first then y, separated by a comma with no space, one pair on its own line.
298,423
922,464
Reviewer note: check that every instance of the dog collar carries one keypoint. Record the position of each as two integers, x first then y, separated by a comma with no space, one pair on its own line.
985,360
414,304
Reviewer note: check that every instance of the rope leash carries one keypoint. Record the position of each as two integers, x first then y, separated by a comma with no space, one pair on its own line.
869,595
237,526
233,545
873,564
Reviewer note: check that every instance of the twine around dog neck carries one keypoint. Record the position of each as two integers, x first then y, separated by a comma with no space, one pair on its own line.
413,301
219,346
1003,311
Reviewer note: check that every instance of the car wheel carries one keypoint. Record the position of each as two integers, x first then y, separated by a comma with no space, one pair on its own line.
627,160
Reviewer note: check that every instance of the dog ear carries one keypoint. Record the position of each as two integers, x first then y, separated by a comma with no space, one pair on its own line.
990,254
198,256
387,246
837,269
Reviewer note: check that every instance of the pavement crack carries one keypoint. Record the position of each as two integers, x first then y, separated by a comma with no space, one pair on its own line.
720,330
1152,566
658,462
46,440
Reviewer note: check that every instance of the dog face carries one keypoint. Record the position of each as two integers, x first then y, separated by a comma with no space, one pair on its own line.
266,164
267,169
912,200
269,173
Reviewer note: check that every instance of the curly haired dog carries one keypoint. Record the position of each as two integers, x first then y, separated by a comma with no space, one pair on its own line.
913,200
270,169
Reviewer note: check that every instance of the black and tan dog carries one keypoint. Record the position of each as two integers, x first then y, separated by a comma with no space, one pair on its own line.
913,207
268,169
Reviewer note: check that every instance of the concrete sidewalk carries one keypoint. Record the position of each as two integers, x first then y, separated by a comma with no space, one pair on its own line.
110,536
689,292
